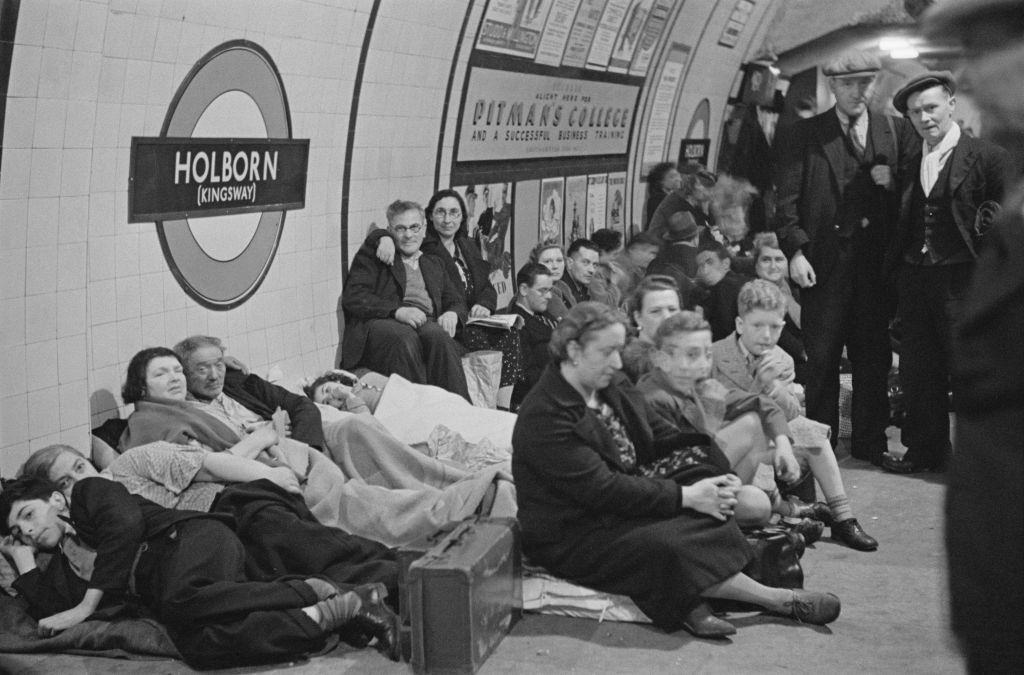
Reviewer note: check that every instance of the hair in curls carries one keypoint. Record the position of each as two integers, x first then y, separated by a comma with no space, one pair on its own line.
134,388
650,284
580,324
677,324
310,389
763,240
463,230
658,173
539,249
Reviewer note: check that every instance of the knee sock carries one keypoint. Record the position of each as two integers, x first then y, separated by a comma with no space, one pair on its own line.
337,610
840,506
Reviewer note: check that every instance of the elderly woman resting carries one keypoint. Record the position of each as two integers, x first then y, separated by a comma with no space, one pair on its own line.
415,495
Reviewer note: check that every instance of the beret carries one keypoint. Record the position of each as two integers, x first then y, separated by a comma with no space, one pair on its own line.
853,64
942,78
681,225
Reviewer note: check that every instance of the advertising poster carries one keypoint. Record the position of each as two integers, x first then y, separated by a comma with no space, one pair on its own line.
629,36
664,103
575,208
616,218
649,37
597,202
582,33
556,31
513,26
736,23
508,116
489,214
607,31
552,191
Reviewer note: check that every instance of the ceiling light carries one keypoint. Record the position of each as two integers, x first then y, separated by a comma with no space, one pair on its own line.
888,44
904,53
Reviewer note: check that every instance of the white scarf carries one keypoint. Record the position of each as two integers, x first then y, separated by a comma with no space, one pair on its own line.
933,160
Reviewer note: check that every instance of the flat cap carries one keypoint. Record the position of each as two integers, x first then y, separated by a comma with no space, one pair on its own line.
680,225
942,78
853,64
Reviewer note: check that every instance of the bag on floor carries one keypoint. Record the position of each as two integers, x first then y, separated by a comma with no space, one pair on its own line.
483,377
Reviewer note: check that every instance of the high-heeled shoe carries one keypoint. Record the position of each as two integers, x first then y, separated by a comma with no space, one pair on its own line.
701,622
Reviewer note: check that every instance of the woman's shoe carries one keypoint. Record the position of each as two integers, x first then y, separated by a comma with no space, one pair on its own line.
812,607
702,623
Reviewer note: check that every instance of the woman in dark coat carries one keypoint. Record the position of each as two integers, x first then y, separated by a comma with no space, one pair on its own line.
589,514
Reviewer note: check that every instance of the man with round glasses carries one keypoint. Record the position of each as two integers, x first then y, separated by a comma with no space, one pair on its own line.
402,318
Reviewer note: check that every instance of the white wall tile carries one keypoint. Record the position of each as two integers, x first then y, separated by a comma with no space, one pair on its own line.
151,293
54,73
14,231
41,365
81,123
72,358
112,79
108,121
74,220
117,39
19,122
102,258
43,415
72,312
51,116
15,172
74,404
101,214
41,318
104,345
136,81
13,421
12,322
25,64
143,36
71,266
165,47
40,270
75,171
45,173
129,338
152,333
102,302
128,306
32,23
126,251
43,221
92,21
61,21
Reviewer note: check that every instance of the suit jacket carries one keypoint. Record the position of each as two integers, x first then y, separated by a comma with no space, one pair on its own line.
479,270
374,290
569,477
534,338
810,193
720,304
730,368
978,171
263,398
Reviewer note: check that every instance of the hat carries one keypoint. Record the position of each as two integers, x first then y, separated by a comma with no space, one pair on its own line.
680,226
942,78
853,64
948,18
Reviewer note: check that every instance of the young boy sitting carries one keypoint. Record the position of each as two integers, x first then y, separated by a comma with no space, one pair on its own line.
186,567
751,360
750,429
715,273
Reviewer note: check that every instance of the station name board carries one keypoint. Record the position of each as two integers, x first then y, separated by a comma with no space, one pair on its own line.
174,178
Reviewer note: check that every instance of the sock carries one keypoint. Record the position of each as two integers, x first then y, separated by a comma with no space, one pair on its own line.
323,589
338,610
840,506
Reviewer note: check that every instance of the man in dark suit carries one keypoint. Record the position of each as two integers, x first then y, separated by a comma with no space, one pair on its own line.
534,288
722,284
402,318
952,181
837,206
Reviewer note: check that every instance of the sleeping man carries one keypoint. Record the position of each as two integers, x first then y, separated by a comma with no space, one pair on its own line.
116,552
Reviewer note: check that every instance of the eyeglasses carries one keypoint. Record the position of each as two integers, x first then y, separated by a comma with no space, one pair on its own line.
455,214
412,229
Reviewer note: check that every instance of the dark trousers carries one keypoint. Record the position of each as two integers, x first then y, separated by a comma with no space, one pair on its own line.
929,303
848,309
193,578
281,536
425,355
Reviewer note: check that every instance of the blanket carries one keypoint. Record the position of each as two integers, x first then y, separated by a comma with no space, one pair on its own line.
377,487
122,638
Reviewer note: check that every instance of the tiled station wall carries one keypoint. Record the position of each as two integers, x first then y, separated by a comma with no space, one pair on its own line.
82,289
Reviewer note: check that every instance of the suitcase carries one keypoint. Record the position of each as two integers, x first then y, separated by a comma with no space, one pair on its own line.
465,594
407,555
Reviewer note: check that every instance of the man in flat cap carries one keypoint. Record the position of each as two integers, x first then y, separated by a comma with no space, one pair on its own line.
837,208
951,190
984,509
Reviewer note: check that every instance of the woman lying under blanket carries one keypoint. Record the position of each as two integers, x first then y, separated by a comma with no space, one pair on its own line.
365,484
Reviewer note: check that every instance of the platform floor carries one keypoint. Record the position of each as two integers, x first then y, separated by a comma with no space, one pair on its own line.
894,618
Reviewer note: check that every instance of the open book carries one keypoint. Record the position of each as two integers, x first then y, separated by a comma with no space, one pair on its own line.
503,321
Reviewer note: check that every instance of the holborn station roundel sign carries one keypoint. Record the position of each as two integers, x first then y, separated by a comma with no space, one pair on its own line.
177,176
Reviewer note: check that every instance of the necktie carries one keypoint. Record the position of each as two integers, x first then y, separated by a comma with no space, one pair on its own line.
851,133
